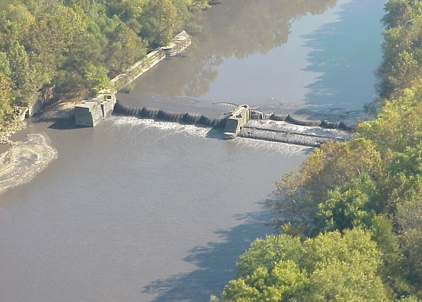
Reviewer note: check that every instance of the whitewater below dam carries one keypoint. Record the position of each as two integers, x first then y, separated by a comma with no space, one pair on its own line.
143,210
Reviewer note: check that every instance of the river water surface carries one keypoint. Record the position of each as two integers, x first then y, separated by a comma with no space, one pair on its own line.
136,210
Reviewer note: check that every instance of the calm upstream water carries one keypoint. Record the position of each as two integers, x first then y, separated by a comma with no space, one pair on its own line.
136,210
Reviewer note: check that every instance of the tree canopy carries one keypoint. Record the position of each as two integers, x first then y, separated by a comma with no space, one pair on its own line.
76,46
329,267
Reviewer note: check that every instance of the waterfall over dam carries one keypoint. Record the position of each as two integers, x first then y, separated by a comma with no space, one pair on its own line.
284,128
269,124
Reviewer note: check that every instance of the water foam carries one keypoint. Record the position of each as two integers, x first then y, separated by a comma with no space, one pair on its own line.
205,132
165,126
24,160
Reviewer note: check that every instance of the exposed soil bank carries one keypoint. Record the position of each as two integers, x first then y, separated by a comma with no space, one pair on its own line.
24,160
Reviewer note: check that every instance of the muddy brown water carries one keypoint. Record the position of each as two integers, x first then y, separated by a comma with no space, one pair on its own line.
137,210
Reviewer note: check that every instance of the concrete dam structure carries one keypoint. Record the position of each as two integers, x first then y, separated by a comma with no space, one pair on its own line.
237,121
270,127
194,118
90,112
238,118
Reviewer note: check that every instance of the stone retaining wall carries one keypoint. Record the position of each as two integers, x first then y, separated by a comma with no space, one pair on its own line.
89,113
138,69
179,43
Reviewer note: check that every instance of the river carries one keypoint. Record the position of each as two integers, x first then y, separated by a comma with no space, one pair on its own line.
137,210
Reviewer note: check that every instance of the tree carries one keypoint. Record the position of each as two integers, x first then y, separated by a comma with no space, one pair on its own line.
126,10
300,192
159,22
95,79
392,271
329,267
125,48
350,205
409,219
22,74
6,109
5,88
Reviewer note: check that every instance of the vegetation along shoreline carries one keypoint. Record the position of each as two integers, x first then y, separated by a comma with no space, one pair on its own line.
47,67
348,222
54,54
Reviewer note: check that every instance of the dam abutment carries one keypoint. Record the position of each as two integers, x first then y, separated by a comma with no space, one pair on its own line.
89,113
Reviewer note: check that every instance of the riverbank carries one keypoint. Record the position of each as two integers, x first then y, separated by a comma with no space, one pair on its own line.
21,160
7,132
24,159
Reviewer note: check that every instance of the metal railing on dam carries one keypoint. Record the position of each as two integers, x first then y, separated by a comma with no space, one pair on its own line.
286,128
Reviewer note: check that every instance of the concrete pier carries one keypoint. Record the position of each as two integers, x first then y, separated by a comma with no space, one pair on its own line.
90,113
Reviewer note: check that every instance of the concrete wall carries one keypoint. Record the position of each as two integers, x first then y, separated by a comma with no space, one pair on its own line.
138,69
178,44
89,113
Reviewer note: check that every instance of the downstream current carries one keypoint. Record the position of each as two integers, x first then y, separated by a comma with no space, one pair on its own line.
137,210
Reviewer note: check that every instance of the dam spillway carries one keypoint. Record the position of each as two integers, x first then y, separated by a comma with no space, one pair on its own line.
189,111
210,116
283,128
283,132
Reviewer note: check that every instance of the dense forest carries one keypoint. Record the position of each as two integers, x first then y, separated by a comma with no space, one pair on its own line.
349,220
52,48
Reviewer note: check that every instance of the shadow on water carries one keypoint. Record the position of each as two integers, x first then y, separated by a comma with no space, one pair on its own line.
215,262
216,133
64,124
345,56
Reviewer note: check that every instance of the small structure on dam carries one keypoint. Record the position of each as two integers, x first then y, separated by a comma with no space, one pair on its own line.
179,43
237,119
244,122
90,112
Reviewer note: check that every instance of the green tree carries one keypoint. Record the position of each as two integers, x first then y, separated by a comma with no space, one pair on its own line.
300,192
6,109
351,205
329,267
96,79
392,271
22,74
409,219
125,48
159,21
126,10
